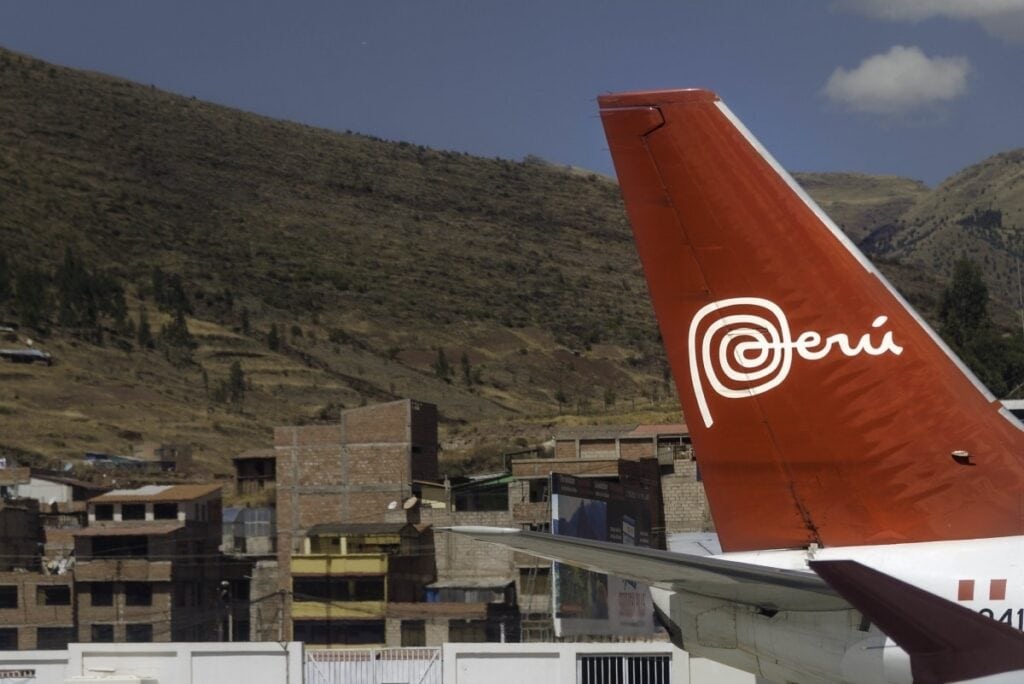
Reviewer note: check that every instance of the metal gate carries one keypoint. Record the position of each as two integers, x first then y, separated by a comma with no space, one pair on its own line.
623,669
374,666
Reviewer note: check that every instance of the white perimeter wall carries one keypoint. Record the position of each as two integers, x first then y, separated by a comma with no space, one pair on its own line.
177,663
556,663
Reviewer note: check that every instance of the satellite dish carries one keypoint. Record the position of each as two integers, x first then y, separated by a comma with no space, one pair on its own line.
410,502
393,505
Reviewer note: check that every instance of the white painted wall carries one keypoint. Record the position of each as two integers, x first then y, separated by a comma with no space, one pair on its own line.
556,663
167,663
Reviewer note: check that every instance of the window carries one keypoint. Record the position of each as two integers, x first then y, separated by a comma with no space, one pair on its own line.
101,594
8,596
54,638
55,595
338,588
104,511
165,511
414,633
138,594
331,632
102,634
467,631
138,633
121,546
9,639
133,511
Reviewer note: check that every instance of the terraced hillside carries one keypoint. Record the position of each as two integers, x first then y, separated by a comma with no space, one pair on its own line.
333,268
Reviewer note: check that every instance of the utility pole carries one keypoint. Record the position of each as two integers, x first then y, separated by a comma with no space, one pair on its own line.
225,598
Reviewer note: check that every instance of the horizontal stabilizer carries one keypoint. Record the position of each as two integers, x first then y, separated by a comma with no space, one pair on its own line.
946,642
744,583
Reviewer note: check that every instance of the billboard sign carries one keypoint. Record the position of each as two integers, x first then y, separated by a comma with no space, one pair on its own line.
588,603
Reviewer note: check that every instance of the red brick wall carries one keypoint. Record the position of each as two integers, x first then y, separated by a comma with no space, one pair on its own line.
352,471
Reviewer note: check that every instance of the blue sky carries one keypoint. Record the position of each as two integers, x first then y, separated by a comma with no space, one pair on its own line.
918,88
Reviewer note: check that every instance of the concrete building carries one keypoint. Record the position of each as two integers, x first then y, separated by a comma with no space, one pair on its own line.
149,567
350,472
347,574
176,457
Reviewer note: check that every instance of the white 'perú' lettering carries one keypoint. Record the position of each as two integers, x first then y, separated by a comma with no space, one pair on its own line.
754,347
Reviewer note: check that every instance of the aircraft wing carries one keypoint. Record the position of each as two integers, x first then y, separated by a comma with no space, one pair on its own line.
755,585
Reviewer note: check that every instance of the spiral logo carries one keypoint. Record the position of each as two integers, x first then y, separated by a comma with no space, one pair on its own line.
744,351
742,347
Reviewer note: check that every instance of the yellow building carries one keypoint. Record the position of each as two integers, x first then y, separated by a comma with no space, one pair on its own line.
346,575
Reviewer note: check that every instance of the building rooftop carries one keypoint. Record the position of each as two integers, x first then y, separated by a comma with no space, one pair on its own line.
156,493
256,453
70,481
325,529
620,431
121,529
496,582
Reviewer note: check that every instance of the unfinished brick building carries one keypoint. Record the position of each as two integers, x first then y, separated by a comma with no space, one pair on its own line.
149,566
349,472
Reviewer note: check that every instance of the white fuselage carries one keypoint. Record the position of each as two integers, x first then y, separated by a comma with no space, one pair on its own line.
984,575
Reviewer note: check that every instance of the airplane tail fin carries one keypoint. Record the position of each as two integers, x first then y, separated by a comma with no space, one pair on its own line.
821,407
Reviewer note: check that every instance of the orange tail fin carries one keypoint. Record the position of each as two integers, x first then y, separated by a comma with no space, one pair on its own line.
821,407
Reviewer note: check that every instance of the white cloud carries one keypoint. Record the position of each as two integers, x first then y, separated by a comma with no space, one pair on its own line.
898,81
1004,18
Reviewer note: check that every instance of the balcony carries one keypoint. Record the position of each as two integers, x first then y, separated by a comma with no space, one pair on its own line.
351,564
123,570
359,610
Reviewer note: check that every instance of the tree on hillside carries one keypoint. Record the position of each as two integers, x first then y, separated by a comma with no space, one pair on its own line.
144,334
169,292
273,339
963,307
997,358
467,371
32,299
236,385
176,341
6,276
442,368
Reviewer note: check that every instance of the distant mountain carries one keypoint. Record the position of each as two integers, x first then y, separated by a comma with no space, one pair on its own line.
978,214
508,293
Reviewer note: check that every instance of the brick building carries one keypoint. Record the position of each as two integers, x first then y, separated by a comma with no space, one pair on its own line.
348,574
36,611
176,457
149,567
630,442
255,471
349,472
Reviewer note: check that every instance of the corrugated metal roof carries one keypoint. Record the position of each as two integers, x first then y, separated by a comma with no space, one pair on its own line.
133,529
182,492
